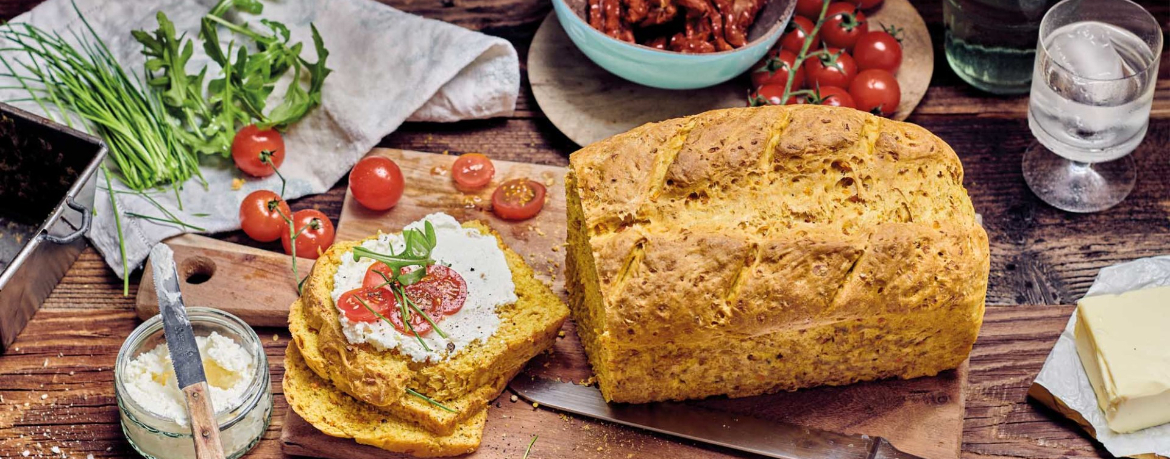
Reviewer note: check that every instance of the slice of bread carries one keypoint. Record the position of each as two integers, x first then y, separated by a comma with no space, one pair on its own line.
413,409
465,381
336,414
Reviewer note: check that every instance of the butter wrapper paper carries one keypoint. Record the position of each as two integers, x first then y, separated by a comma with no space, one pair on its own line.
1064,378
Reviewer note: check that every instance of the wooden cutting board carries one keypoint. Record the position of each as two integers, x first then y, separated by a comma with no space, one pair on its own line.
922,416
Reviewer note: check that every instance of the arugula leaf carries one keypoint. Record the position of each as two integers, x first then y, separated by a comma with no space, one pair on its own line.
417,252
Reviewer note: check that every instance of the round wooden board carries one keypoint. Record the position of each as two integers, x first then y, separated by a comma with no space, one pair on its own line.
588,104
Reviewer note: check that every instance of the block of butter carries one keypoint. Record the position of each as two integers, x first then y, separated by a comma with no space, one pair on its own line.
1124,343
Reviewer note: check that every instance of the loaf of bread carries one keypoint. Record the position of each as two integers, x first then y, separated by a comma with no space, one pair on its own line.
748,251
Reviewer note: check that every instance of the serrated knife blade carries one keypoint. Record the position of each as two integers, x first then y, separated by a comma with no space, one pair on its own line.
730,430
185,354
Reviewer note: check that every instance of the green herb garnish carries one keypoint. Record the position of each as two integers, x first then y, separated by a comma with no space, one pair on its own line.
429,400
529,449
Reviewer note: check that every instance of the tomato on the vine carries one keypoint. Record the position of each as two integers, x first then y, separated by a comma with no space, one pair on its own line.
833,67
518,199
376,182
844,24
878,49
810,9
770,94
472,171
774,69
262,216
258,152
876,91
353,304
314,234
832,96
796,33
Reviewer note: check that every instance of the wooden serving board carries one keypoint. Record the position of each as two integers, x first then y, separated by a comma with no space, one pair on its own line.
587,103
922,416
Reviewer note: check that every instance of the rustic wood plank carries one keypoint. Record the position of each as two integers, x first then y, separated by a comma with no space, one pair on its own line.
67,357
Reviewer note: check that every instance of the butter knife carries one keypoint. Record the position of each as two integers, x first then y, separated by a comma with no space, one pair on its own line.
730,430
185,354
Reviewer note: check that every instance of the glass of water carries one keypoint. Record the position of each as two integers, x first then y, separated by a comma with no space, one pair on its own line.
1092,87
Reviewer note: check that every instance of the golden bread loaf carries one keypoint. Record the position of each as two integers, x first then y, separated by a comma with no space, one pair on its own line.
754,250
336,414
465,382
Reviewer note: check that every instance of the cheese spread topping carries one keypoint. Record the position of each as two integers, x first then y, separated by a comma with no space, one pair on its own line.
475,256
150,377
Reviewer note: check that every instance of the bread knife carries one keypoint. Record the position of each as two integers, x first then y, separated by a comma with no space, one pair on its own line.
744,433
185,354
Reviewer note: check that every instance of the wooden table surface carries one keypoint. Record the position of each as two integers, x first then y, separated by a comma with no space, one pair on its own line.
56,386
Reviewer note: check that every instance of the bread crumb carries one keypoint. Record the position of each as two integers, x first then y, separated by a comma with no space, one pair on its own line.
25,453
535,405
237,183
555,248
561,334
55,450
45,364
514,398
44,396
275,337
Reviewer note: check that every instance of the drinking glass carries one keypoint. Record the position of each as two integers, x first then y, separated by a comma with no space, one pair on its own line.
1092,87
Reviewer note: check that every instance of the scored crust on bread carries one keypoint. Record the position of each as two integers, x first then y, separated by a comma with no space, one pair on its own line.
748,251
336,414
470,378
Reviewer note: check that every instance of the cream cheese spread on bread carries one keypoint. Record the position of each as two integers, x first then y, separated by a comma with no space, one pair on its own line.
472,254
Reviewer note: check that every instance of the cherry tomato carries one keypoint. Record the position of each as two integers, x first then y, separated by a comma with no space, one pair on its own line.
770,94
251,147
834,67
262,216
878,50
810,9
376,182
417,321
441,292
374,275
876,91
379,300
316,233
518,199
774,69
472,171
796,33
865,4
844,24
831,96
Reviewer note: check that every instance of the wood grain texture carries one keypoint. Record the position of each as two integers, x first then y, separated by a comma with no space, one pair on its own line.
587,103
211,273
1039,256
204,428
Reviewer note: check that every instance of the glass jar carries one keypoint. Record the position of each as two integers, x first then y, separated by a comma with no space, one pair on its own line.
240,426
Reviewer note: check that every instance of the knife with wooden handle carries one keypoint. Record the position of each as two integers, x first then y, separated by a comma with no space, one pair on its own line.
185,354
730,430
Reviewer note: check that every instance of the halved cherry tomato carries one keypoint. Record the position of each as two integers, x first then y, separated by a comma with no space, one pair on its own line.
472,171
878,49
876,91
774,69
316,234
380,300
844,24
770,94
831,96
810,9
796,33
376,182
442,291
834,67
262,216
252,147
518,199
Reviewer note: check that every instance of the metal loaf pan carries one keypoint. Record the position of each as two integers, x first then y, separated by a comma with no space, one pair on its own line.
48,175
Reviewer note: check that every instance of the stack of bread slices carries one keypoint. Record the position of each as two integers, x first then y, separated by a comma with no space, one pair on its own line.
356,391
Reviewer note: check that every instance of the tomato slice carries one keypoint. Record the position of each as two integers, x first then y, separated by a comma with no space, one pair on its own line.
518,199
417,321
441,292
380,300
374,277
472,171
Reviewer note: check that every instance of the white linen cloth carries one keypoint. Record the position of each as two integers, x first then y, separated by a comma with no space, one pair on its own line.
1065,378
388,67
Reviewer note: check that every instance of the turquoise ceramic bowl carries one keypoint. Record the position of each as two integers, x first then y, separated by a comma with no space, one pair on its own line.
668,69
